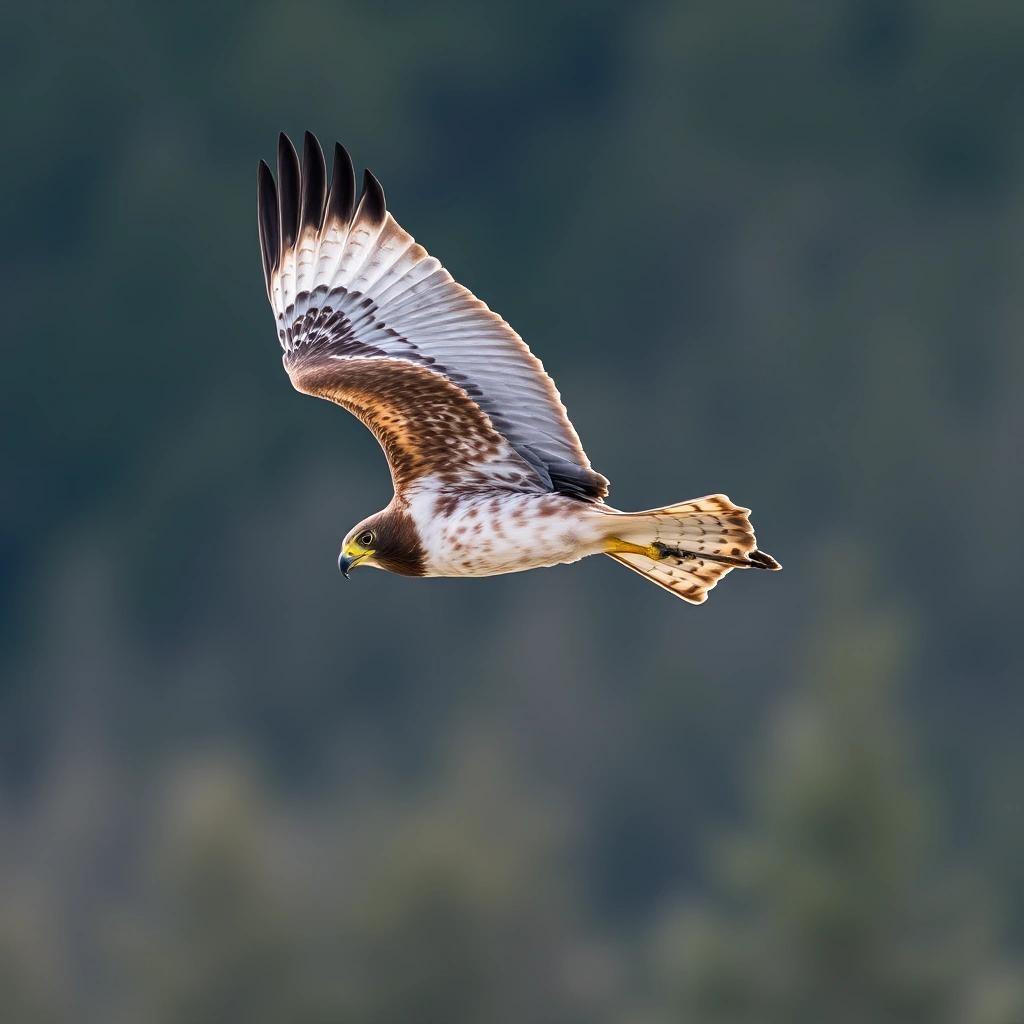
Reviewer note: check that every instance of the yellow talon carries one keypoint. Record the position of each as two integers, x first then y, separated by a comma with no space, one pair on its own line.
615,546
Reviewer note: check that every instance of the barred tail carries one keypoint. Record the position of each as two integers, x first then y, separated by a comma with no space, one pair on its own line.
687,548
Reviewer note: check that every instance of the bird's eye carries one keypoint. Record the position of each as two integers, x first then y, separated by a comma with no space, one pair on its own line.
365,539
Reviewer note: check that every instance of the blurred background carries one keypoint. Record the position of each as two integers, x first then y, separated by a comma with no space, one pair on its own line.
772,250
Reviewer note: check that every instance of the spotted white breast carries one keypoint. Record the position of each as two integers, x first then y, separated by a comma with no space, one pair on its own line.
483,532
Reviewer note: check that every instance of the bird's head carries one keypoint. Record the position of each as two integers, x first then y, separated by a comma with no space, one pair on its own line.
388,540
359,546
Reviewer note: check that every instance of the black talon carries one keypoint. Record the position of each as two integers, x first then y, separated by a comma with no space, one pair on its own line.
664,551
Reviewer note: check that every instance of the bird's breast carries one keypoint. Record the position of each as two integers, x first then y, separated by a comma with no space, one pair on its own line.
476,532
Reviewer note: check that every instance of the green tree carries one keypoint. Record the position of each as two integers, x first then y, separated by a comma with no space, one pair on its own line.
835,906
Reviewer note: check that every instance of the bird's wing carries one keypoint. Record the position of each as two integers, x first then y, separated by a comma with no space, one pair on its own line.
363,310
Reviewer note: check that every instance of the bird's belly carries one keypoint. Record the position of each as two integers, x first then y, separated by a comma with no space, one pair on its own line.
488,534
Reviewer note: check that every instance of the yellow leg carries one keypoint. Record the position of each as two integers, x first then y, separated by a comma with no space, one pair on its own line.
614,546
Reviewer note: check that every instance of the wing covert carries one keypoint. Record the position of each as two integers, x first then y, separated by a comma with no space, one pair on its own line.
427,426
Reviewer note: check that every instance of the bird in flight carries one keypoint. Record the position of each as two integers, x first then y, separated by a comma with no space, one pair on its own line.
489,474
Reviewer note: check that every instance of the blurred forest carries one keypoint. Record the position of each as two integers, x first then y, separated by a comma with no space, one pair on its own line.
768,249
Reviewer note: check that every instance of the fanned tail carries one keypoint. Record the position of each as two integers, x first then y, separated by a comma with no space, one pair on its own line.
687,548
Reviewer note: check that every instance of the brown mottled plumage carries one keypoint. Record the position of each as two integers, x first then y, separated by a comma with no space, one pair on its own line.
489,474
426,425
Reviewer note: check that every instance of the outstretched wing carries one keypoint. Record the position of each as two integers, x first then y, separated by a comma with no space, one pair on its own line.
363,311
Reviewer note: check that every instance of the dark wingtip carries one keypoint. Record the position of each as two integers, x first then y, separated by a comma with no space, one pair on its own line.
341,201
314,183
762,560
267,213
371,203
288,183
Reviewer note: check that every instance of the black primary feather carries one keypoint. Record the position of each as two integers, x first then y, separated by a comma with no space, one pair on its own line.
270,232
371,202
288,195
314,183
342,199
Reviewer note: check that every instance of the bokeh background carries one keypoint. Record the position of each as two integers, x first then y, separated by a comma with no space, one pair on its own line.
769,249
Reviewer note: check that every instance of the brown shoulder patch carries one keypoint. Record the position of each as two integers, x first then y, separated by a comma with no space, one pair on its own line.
426,424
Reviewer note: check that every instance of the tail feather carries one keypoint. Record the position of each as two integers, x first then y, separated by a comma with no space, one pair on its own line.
688,548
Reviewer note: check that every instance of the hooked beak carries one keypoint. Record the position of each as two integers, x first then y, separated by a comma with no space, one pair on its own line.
350,558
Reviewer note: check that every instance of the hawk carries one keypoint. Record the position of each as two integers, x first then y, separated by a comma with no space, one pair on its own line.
489,474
